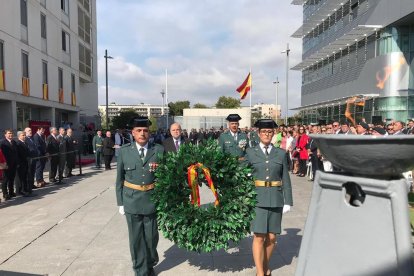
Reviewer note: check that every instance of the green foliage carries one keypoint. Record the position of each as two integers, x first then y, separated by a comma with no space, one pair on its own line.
199,105
204,229
176,108
154,126
120,121
228,102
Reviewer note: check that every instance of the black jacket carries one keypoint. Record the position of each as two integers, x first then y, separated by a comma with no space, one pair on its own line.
9,151
107,146
52,145
22,153
169,144
40,144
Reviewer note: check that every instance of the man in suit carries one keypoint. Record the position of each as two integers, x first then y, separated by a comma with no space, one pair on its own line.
274,194
52,150
174,142
9,149
345,128
33,153
234,141
134,187
108,150
70,156
97,148
22,165
63,149
40,143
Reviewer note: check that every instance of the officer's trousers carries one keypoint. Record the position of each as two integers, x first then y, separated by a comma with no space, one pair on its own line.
143,241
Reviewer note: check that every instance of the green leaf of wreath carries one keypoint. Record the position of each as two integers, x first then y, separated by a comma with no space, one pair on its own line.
204,229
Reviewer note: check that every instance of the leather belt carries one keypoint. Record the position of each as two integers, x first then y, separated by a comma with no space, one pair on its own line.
142,188
260,183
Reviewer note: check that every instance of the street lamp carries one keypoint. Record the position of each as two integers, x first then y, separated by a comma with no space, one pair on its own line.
106,79
277,96
287,81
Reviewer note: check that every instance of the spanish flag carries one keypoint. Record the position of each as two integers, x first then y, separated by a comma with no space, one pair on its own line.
245,87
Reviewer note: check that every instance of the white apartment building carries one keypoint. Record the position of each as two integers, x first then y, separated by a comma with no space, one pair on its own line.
48,63
142,109
270,111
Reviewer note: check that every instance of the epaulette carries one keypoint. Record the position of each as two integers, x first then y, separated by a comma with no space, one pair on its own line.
126,145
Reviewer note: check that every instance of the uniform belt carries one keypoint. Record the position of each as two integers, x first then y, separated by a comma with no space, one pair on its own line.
98,145
260,183
142,188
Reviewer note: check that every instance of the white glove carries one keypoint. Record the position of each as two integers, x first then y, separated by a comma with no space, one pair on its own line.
286,208
94,151
122,211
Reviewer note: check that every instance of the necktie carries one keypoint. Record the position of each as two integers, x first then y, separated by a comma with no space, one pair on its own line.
235,138
177,146
141,154
266,152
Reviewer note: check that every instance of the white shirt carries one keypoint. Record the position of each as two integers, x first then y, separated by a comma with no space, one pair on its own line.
234,135
144,147
177,140
269,149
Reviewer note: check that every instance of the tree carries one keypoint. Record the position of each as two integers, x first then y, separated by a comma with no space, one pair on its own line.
154,126
228,102
123,118
176,108
199,105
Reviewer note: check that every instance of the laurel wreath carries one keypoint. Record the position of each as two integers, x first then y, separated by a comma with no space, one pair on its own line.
204,228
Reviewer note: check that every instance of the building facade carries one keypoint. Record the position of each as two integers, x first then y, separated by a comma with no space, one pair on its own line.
357,60
48,63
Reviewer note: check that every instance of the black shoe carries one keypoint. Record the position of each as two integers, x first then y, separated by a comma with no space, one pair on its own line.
52,180
34,187
12,194
70,175
6,197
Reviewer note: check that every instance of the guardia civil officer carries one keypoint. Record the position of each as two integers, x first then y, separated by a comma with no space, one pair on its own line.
234,141
274,193
134,187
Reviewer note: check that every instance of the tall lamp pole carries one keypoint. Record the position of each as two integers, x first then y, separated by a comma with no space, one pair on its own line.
277,96
162,109
106,82
287,82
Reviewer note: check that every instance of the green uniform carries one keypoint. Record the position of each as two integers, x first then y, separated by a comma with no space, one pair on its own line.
139,208
234,147
97,149
270,200
254,139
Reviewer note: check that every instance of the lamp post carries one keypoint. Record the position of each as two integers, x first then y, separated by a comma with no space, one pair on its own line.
106,82
287,82
277,96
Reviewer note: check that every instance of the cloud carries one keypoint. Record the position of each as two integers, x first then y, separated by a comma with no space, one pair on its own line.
208,48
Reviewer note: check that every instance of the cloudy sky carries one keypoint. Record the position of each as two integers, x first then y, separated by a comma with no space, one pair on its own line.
207,46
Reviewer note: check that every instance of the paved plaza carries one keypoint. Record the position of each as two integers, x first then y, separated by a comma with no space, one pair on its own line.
75,229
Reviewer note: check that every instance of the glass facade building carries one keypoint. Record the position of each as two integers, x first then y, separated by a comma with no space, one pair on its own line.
357,60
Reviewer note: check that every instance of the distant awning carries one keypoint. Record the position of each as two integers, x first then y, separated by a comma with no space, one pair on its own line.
348,39
324,11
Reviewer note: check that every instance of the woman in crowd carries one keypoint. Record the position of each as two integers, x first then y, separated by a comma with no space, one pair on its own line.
301,144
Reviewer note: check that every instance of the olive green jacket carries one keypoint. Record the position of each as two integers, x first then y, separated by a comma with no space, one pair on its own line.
227,143
271,168
97,143
131,168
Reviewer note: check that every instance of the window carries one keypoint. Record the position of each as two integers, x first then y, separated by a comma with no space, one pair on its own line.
43,25
60,76
85,60
65,42
1,55
84,25
73,83
44,72
25,65
64,5
23,12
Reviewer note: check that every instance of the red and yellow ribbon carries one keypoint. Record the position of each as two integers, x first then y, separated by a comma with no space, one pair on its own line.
192,176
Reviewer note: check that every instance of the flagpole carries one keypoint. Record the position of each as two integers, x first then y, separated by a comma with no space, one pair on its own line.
166,95
251,88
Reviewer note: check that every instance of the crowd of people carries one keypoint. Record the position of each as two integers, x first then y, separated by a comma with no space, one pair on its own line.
23,159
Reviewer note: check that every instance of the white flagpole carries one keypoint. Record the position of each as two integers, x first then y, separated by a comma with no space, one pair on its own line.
251,87
166,95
